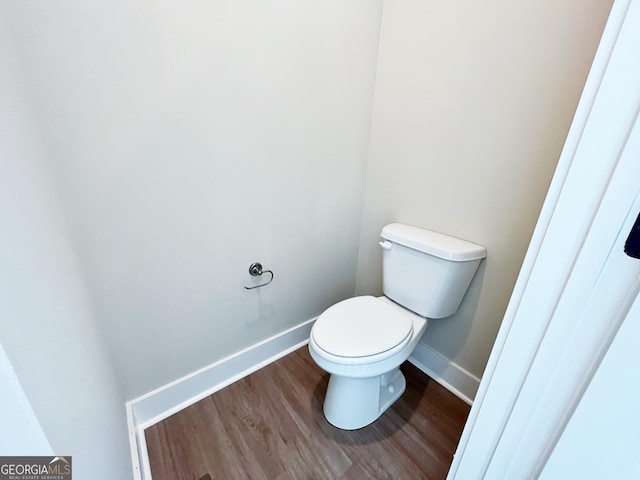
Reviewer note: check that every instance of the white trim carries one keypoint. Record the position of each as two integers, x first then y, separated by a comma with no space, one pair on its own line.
163,402
133,443
451,376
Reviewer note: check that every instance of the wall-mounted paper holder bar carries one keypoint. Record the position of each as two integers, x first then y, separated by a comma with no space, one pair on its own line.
255,270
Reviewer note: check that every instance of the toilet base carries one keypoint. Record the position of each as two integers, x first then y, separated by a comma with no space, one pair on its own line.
352,403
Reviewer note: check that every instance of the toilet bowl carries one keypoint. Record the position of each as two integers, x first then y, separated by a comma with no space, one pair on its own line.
362,341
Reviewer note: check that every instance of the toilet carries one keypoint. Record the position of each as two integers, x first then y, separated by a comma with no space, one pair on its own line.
362,341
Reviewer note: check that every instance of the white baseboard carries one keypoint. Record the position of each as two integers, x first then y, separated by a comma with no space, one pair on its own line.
163,402
457,380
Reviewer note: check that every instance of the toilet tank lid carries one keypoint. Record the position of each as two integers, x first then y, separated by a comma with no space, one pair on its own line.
433,243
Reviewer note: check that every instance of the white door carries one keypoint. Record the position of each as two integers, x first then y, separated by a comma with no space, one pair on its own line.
602,437
573,304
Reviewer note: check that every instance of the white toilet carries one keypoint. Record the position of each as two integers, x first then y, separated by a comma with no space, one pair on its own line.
362,341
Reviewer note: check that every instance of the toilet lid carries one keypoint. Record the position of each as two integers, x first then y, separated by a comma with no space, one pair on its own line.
361,327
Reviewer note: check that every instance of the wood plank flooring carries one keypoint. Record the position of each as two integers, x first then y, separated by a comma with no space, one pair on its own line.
270,426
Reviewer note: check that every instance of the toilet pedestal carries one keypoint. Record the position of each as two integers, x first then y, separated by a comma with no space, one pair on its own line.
352,403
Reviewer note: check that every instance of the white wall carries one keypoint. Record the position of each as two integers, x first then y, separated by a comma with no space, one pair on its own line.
472,105
47,326
193,138
21,431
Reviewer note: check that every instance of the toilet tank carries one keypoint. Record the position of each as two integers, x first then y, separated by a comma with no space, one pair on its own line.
427,272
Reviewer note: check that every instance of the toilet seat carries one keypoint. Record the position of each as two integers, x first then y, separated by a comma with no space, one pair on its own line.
361,330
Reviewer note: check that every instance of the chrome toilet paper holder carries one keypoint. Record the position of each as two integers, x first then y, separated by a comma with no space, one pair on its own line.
255,270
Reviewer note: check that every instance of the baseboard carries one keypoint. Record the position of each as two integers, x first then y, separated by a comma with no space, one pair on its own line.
454,378
163,402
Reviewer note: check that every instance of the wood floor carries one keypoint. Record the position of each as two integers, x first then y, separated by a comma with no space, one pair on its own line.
270,426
